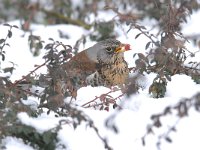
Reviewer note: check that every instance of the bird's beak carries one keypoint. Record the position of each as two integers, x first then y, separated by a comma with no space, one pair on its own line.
122,48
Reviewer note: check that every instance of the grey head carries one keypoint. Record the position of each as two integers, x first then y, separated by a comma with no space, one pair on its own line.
103,50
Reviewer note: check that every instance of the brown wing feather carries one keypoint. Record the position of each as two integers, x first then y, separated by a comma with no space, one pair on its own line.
80,63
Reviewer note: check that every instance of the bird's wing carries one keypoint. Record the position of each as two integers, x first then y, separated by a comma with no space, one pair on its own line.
80,63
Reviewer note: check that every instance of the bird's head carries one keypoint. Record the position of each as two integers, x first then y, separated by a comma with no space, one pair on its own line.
107,49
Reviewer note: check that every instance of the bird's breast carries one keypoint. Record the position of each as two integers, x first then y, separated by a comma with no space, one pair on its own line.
115,73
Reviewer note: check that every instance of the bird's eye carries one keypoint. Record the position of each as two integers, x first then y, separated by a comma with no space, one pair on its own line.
118,43
109,49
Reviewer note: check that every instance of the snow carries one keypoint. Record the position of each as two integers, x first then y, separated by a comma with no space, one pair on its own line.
131,121
13,143
182,91
42,123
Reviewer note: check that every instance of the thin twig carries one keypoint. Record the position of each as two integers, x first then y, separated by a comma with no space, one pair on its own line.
24,77
97,97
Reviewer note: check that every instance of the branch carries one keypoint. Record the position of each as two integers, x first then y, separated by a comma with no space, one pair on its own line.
181,109
66,19
97,97
24,77
102,97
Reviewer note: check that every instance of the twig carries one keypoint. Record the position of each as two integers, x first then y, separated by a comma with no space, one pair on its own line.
97,97
113,100
24,77
66,19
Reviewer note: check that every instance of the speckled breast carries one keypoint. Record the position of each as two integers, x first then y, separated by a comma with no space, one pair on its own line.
116,73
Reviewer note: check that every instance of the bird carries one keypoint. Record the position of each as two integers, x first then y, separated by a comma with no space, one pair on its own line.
102,64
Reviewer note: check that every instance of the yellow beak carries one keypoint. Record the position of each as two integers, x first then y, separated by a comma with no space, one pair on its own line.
122,48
